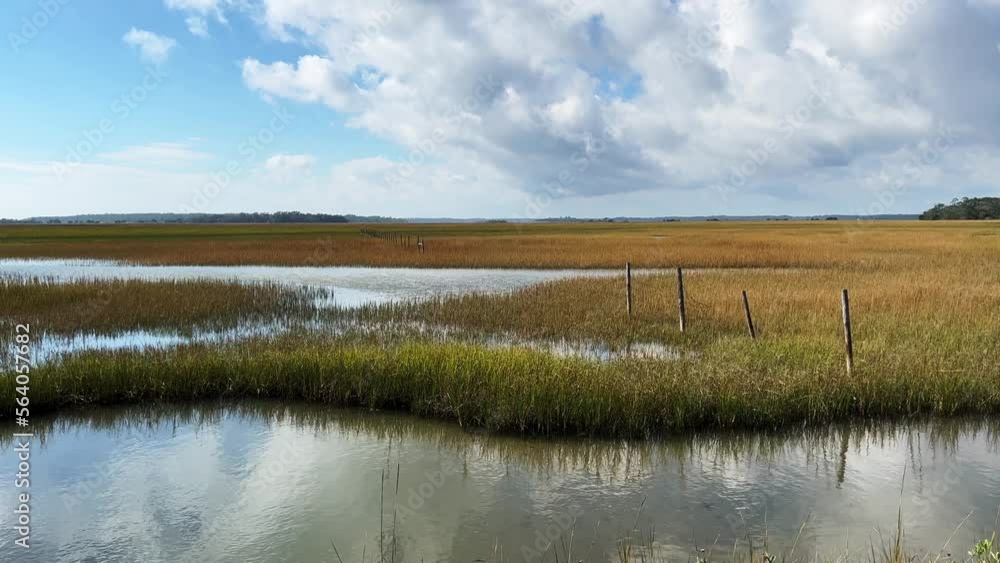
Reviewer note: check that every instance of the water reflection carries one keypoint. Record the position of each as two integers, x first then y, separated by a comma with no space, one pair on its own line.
351,286
274,482
50,346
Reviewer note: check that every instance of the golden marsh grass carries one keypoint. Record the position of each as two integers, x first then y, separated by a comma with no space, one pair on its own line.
864,245
925,299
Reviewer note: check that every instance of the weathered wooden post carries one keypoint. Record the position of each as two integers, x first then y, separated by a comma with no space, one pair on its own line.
680,299
746,310
628,288
848,338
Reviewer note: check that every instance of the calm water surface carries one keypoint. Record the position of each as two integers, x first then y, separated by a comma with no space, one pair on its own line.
351,286
270,483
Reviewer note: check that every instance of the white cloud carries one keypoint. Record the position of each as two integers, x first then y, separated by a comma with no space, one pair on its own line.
153,48
313,79
157,153
198,12
200,6
197,26
652,97
289,162
286,169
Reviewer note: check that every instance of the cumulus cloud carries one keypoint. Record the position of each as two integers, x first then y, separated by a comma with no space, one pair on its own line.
152,48
312,79
588,98
712,101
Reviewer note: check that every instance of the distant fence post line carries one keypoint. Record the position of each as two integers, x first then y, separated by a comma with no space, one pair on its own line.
400,239
420,244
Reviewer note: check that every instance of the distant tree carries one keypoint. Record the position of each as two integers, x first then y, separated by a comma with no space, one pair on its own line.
975,208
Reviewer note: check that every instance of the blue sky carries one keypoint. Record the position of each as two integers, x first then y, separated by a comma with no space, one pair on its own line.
503,109
70,74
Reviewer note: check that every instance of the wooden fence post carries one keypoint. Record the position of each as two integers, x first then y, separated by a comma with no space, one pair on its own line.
628,288
680,299
746,310
848,338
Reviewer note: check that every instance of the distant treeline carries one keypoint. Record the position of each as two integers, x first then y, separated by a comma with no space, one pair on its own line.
965,208
277,217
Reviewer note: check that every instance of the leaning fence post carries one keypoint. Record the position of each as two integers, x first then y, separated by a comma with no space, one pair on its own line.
680,299
628,288
746,310
848,338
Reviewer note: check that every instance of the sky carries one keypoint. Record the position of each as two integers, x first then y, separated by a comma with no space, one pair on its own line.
503,108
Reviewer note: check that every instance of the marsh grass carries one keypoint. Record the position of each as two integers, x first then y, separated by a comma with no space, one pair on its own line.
859,246
108,306
933,322
513,390
926,308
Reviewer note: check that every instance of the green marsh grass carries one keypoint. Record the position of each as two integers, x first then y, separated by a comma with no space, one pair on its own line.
731,385
108,306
